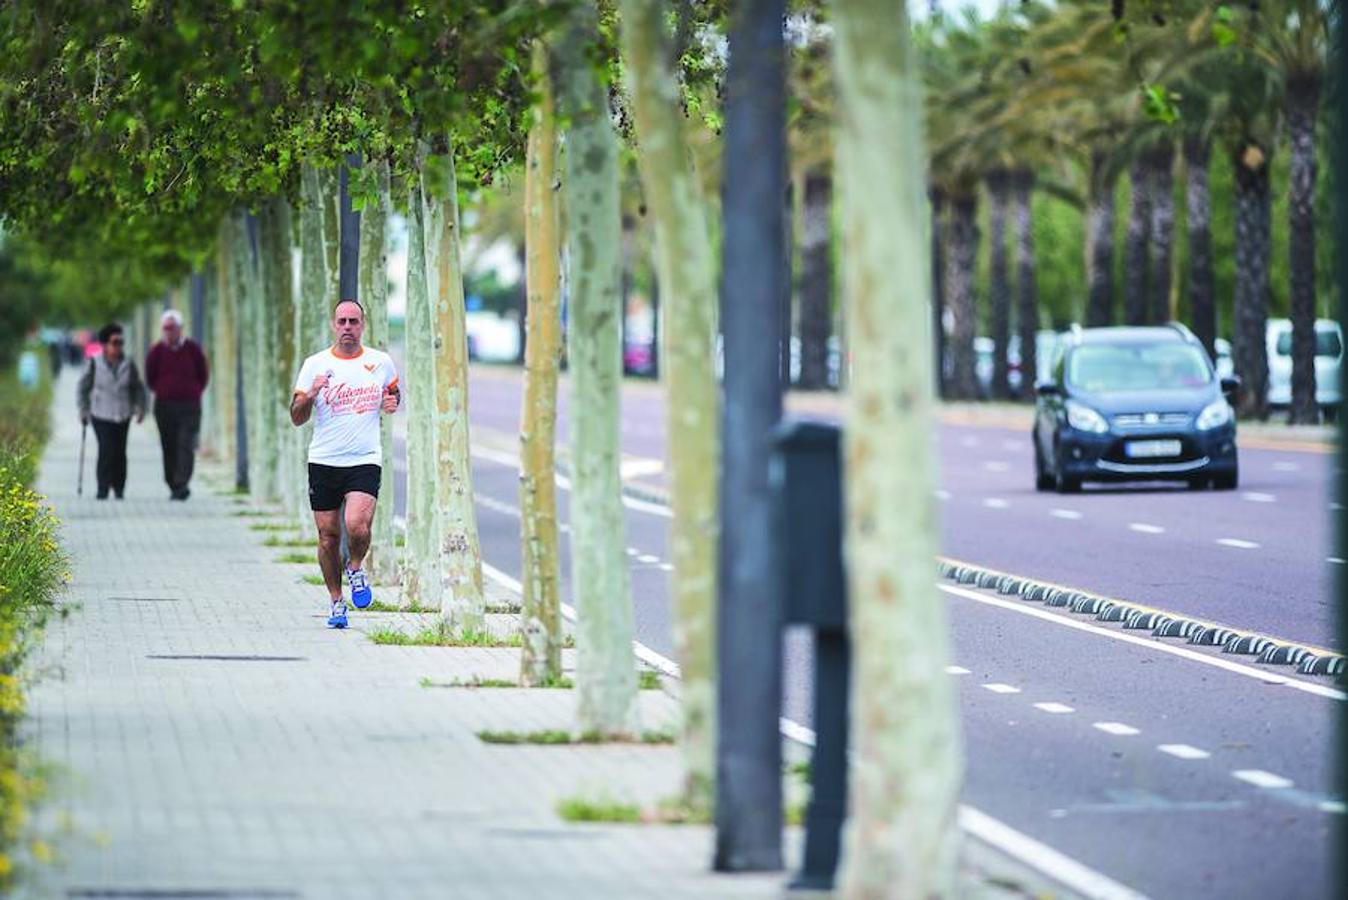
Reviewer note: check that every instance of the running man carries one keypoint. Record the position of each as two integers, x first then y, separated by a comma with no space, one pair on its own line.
346,387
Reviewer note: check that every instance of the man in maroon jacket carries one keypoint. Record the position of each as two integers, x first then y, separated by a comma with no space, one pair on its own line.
175,370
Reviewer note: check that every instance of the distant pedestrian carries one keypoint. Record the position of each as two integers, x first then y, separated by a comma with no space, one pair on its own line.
176,371
109,393
345,388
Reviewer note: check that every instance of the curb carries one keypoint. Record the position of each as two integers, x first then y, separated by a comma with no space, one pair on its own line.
1271,651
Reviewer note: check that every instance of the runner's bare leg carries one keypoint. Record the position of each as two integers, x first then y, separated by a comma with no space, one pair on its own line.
359,516
330,549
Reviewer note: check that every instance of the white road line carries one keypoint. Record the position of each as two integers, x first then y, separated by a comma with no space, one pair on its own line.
1071,514
1285,467
1256,497
1040,857
1335,507
507,459
969,441
632,551
956,670
1118,728
1261,779
1262,675
648,559
995,503
1055,708
1144,528
1238,543
1333,806
1338,561
1013,445
998,688
667,567
942,495
997,465
1183,751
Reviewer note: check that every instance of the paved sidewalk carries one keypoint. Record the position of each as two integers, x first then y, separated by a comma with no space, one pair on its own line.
217,740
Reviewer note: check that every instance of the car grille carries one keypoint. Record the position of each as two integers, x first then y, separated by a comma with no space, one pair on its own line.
1152,420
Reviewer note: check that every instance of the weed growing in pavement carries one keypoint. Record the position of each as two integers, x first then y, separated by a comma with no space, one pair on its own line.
501,609
315,580
377,606
399,540
648,680
271,526
557,736
578,809
475,682
441,635
250,513
801,768
295,558
296,541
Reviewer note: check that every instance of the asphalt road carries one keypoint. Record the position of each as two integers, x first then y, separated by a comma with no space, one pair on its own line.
1164,771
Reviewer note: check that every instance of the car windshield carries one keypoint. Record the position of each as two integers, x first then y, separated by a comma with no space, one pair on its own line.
1137,367
1326,343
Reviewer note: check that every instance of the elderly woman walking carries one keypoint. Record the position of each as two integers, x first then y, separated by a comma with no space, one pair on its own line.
109,393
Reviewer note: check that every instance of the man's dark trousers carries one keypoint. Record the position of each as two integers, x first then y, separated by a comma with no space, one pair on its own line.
178,424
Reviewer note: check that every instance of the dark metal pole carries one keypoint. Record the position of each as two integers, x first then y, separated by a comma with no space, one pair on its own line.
348,266
1339,117
753,281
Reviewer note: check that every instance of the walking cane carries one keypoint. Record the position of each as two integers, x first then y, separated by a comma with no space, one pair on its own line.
84,434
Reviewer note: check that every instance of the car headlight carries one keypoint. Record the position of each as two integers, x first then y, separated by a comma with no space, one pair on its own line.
1083,418
1216,413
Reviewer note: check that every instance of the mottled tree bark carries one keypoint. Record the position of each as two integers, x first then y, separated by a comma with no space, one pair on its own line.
1160,164
225,347
460,556
1136,248
1027,297
1100,244
901,839
686,265
274,244
999,282
540,616
258,377
816,280
1251,164
384,559
1303,103
605,672
1198,222
961,259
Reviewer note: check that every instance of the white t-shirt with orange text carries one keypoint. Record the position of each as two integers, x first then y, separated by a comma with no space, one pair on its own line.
346,412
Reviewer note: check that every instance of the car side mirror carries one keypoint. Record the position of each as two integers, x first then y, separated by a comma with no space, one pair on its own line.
1231,388
1047,389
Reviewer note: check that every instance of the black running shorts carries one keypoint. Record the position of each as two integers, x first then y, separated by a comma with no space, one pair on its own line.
329,485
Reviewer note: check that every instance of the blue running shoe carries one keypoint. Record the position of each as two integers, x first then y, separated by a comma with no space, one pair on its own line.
338,617
361,595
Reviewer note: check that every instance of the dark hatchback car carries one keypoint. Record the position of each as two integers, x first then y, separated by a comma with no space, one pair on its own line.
1134,404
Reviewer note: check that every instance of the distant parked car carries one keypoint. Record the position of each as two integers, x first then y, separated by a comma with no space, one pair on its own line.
1134,404
1328,360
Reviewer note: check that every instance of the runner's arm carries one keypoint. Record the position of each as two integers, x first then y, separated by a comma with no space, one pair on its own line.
301,406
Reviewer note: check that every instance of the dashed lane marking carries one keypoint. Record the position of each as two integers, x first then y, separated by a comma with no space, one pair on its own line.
1286,467
1055,708
1238,543
1336,560
1333,806
1183,751
1218,662
942,495
648,559
667,567
968,442
1261,779
1117,728
998,688
997,465
995,503
1070,514
1144,528
1256,497
956,670
1013,445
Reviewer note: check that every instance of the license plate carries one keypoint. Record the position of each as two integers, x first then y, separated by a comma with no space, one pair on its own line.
1151,449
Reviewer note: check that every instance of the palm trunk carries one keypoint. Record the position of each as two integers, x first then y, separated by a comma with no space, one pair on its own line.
605,673
1160,163
1027,299
460,556
937,197
1251,164
331,190
385,557
816,280
257,369
1100,244
274,245
1136,263
687,268
1303,101
540,617
901,837
1198,221
999,285
962,249
312,328
421,571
